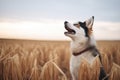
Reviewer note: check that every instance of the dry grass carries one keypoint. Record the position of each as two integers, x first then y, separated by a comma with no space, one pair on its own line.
49,60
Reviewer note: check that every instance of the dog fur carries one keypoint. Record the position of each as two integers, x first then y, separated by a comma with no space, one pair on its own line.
82,38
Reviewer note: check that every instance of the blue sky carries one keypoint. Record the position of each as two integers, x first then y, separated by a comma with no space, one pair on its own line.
105,10
106,13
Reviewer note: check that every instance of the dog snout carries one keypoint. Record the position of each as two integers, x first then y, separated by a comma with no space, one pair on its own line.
65,22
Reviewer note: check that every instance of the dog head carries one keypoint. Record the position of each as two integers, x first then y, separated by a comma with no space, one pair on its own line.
79,30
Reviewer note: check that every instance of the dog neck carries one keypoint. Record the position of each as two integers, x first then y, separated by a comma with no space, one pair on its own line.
80,45
85,50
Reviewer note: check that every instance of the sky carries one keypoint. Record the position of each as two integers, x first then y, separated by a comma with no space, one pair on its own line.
44,19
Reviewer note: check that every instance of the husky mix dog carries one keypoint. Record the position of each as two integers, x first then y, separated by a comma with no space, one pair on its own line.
83,45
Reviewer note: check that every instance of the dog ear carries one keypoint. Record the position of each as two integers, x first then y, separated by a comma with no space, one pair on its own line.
89,23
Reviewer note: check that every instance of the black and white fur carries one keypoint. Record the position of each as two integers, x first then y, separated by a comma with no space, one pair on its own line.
82,38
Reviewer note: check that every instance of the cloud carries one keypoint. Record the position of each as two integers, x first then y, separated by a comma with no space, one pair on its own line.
107,30
54,30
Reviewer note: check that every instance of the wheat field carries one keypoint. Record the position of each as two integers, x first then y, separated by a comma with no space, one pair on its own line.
49,60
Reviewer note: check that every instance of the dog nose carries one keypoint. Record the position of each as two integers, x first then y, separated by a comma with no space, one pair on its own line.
65,22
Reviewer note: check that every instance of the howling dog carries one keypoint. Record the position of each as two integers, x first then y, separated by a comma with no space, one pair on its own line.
83,44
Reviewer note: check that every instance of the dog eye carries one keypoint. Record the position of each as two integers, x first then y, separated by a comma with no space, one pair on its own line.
77,25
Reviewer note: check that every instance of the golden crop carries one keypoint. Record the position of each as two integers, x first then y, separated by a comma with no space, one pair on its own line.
49,60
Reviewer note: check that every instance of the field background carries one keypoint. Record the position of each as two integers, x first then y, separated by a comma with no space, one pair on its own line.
49,60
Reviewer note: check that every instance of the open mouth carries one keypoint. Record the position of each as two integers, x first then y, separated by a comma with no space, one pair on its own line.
69,30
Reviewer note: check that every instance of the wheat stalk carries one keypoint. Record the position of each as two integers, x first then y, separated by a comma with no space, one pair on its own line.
49,62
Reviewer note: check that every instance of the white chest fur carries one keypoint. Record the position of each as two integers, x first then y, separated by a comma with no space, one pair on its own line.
75,61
